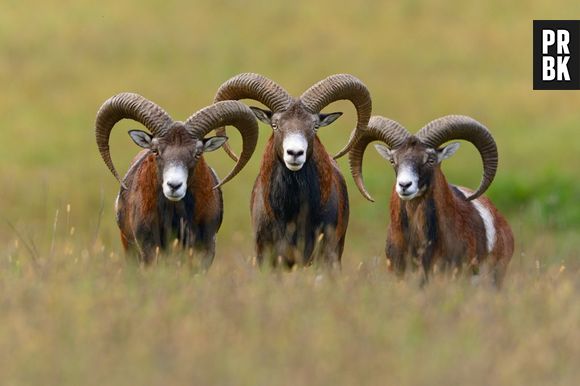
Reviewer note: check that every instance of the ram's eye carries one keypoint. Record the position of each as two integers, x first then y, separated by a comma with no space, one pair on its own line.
274,126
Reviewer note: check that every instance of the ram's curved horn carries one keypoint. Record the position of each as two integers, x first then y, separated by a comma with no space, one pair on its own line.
225,113
450,127
130,106
337,87
392,133
251,86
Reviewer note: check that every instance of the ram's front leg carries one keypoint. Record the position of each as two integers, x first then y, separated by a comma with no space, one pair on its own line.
427,248
148,243
396,250
198,241
265,249
206,252
147,236
268,237
426,254
207,255
327,248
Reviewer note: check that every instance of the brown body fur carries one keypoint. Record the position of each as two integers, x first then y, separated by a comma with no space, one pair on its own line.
149,222
293,235
450,234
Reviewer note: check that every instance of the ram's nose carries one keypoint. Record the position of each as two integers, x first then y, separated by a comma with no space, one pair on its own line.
294,152
174,185
405,184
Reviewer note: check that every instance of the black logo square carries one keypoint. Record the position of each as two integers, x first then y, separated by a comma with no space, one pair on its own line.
556,54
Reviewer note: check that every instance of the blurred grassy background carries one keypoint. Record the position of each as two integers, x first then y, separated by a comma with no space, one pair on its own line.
61,59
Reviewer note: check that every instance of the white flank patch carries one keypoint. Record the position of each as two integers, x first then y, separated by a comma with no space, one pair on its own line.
117,207
213,172
487,218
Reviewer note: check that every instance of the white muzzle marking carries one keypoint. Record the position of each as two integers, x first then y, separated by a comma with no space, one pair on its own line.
407,183
175,181
294,147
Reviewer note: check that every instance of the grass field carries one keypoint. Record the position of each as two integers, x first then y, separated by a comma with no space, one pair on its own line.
73,311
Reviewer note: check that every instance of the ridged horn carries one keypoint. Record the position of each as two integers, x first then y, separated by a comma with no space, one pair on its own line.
225,113
337,87
392,133
127,106
450,127
251,86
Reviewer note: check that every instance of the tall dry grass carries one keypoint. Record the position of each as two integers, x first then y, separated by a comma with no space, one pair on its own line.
73,311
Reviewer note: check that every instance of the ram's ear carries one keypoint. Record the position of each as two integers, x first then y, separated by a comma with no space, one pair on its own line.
384,151
213,143
447,151
327,119
263,115
141,138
